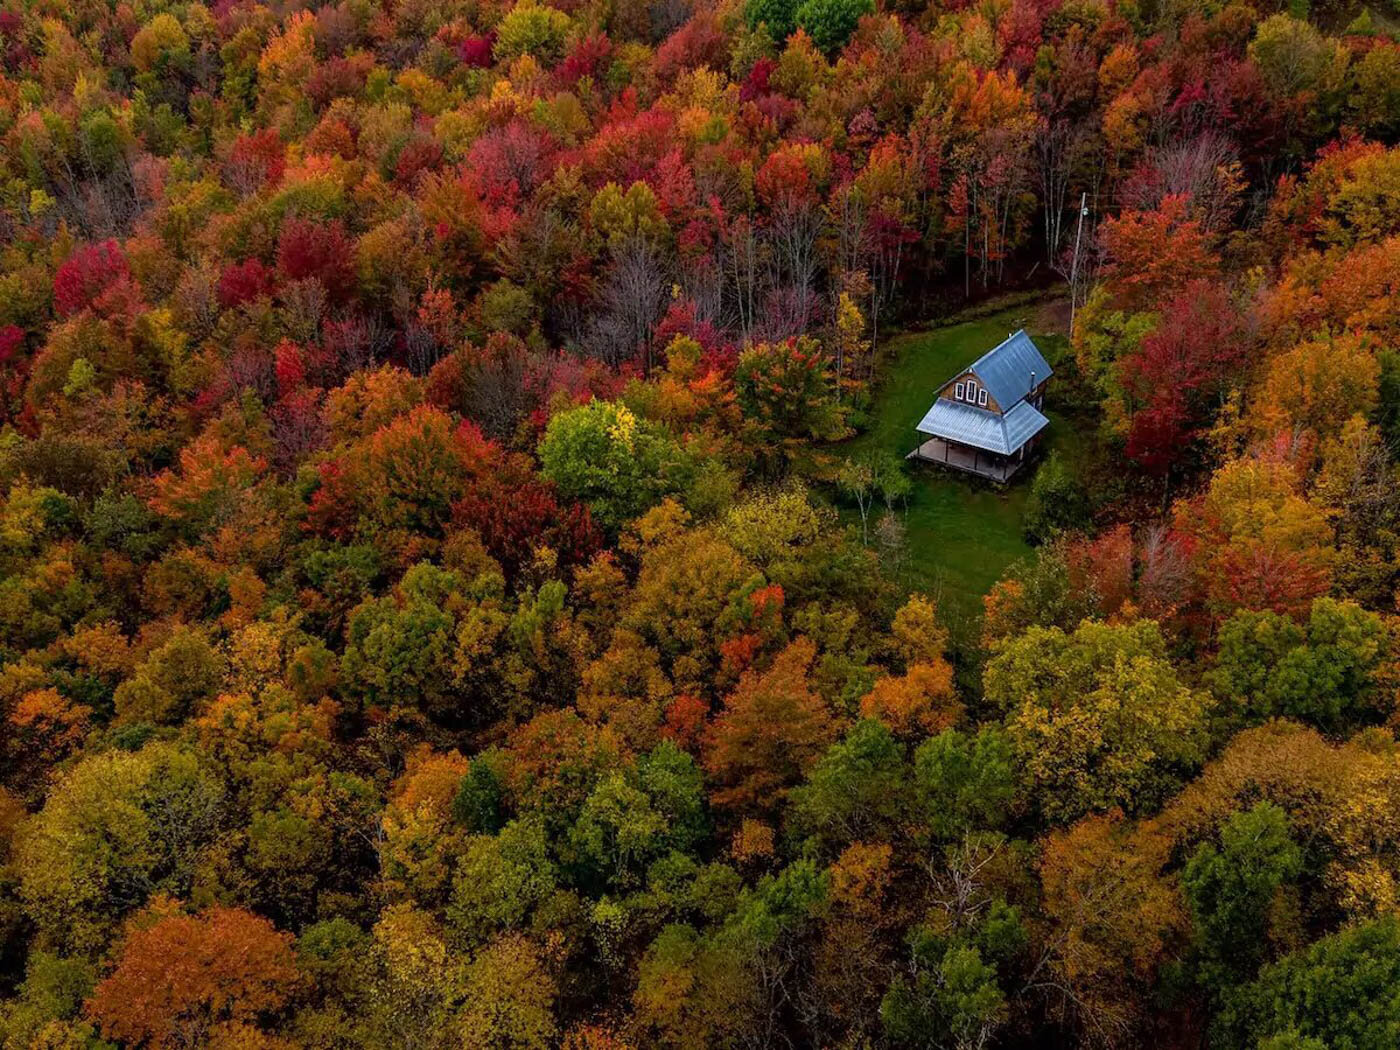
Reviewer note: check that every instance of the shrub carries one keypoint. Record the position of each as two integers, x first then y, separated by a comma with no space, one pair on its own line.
1058,502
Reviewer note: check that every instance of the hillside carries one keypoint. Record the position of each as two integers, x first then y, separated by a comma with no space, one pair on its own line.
461,584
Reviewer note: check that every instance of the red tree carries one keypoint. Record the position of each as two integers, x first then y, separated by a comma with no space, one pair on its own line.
243,282
1153,253
323,251
257,160
177,979
86,274
1181,371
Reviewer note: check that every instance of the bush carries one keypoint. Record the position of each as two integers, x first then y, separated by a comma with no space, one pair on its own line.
1058,502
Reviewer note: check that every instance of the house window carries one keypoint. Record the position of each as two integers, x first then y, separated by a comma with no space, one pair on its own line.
958,392
982,398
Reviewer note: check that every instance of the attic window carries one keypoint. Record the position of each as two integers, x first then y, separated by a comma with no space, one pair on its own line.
958,392
982,397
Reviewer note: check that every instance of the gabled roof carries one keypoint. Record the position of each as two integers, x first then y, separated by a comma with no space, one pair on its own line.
1006,369
955,421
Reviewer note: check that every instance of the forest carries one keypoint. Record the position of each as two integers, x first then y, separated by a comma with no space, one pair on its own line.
446,600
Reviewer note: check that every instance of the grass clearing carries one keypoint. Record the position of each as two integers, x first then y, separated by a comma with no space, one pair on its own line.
961,533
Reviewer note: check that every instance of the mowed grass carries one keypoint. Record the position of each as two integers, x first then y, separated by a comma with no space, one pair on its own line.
961,532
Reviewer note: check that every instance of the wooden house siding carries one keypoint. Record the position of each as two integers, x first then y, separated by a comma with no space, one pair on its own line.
951,392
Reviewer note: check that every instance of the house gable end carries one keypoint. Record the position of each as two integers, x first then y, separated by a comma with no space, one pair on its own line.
960,382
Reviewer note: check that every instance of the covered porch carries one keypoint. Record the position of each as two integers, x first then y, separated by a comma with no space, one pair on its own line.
989,465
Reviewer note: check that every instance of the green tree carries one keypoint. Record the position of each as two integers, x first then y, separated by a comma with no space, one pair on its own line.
1058,502
949,999
1322,672
870,477
779,16
400,649
500,880
964,783
1037,591
830,23
856,791
618,830
675,786
1343,991
54,989
1233,890
116,828
1376,99
787,395
169,683
620,465
480,799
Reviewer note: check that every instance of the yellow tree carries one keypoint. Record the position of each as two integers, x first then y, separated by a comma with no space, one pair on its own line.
1111,921
509,998
1317,386
1262,544
1099,718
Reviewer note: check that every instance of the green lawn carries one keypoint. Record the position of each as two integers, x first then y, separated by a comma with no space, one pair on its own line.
961,533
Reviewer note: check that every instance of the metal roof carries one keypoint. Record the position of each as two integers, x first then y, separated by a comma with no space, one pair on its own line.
1022,423
1006,369
980,428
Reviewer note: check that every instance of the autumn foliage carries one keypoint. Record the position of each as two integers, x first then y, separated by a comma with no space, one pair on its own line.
461,583
182,978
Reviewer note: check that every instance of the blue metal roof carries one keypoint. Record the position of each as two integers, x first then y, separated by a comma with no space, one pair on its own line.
1022,423
1006,369
980,428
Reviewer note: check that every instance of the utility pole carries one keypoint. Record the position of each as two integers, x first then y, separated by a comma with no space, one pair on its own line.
1074,263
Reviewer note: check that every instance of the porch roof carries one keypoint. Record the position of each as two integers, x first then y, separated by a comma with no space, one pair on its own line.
979,428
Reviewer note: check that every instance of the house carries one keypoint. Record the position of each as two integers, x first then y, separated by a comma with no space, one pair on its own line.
987,418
